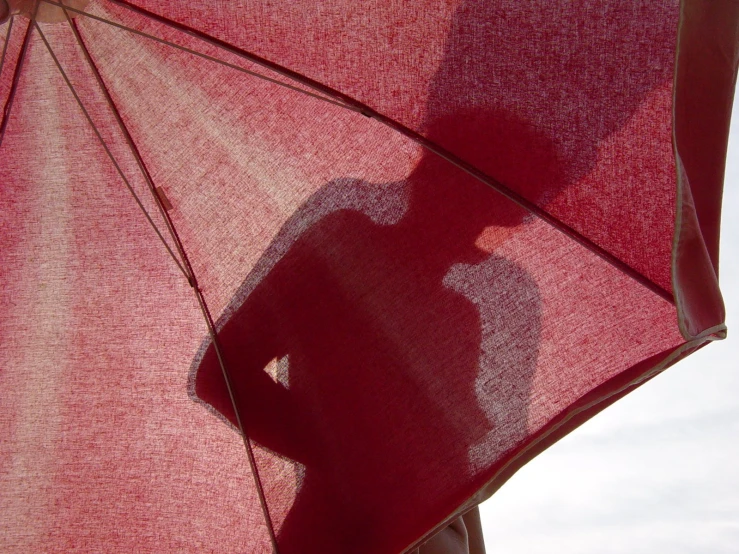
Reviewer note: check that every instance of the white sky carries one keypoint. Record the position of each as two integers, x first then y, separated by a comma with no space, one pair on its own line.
655,473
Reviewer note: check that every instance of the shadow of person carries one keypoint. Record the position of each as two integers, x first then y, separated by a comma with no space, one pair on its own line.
380,406
407,351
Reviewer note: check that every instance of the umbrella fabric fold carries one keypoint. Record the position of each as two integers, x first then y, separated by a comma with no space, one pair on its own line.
431,241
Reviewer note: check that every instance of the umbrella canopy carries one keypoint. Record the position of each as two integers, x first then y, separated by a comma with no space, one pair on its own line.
428,241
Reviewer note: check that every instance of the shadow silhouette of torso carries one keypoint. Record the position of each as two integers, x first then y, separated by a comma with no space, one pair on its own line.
382,355
380,405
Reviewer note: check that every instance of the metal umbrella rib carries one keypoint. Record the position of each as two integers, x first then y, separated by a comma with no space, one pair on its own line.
184,266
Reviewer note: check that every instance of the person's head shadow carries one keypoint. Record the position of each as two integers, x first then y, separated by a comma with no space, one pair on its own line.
509,155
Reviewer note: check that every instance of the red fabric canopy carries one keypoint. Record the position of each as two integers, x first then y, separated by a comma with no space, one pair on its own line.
430,238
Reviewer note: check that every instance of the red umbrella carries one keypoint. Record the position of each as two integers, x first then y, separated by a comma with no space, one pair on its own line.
428,242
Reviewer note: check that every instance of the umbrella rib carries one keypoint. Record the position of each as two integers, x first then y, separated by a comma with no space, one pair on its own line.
193,280
130,142
357,106
201,55
16,80
232,395
191,276
108,152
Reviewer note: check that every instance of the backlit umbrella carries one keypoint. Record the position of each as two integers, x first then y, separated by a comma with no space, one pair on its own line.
428,241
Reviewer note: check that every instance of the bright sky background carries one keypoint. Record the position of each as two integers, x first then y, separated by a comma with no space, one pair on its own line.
657,472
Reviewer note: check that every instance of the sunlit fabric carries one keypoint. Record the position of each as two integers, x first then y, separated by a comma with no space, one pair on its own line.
467,228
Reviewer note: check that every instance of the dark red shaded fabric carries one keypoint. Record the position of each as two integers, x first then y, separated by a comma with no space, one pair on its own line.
401,330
